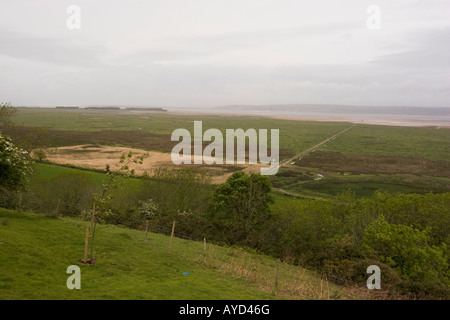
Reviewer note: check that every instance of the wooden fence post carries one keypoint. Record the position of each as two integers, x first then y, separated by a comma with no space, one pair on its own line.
93,224
171,236
57,207
146,231
204,250
93,215
276,277
86,245
20,202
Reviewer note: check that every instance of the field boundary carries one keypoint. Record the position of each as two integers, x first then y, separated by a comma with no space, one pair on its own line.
288,161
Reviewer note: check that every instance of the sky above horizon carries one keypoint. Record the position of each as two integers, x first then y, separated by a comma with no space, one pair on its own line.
204,53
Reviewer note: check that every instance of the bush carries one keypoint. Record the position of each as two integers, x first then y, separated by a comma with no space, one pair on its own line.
178,190
242,202
15,165
8,199
123,205
354,272
69,193
420,290
407,250
39,155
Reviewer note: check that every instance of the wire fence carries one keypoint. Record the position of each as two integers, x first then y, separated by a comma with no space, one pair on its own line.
271,275
168,231
37,203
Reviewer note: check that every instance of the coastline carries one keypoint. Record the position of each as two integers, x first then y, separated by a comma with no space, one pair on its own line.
371,119
388,120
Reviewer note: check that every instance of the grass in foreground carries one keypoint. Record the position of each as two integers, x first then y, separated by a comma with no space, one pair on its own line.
35,252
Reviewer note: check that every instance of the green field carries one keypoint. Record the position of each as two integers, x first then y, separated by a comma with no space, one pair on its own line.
36,250
296,136
426,142
315,182
151,131
45,172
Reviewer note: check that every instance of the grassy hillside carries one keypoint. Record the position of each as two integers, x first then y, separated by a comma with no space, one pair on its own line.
36,250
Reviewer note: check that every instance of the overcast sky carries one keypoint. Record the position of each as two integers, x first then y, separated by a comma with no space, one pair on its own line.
210,52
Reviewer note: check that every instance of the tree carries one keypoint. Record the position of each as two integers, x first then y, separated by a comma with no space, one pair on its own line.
148,209
407,250
102,201
27,138
39,155
7,112
15,165
178,190
72,191
244,201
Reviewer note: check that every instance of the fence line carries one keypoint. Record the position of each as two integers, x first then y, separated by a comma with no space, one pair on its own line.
30,202
23,201
266,273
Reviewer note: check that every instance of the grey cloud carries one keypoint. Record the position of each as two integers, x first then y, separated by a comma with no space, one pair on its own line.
426,62
417,74
182,48
429,50
60,51
200,85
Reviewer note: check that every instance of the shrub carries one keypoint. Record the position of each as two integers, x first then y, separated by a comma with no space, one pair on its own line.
70,192
15,165
243,201
178,190
407,250
354,272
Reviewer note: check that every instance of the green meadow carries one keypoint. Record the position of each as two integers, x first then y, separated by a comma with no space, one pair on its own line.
425,142
295,136
36,250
